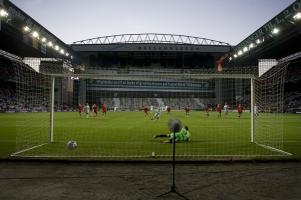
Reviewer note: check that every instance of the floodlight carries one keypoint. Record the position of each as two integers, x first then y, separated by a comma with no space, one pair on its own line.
258,41
240,52
230,58
67,54
297,16
62,51
251,45
26,29
35,34
245,49
50,44
44,39
235,55
275,31
57,47
3,13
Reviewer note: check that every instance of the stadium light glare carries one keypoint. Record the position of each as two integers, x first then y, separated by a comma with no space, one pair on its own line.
26,29
230,58
240,52
50,44
275,31
56,47
245,49
235,55
67,54
35,34
62,51
3,13
251,45
258,41
44,39
297,16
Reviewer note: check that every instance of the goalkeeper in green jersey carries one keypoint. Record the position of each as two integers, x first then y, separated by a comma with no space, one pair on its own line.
182,136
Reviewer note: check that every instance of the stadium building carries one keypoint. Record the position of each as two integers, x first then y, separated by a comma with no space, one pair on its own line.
149,53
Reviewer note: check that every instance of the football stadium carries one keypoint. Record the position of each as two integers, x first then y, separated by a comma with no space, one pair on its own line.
149,97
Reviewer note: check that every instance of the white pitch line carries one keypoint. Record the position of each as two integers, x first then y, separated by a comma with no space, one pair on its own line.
147,156
28,149
274,149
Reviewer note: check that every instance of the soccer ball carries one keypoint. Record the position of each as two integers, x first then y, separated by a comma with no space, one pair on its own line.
71,144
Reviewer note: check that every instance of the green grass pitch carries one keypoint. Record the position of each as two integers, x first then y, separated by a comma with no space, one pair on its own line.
130,135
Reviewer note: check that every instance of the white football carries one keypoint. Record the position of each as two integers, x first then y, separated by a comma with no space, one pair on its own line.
71,144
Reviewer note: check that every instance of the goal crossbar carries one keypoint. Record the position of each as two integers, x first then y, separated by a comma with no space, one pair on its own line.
111,76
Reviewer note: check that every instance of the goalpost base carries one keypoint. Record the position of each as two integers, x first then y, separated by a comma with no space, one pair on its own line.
28,149
274,149
159,157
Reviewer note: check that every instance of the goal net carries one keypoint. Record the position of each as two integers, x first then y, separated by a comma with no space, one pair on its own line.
124,113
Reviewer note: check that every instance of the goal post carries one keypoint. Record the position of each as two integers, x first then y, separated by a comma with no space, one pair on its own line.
121,129
51,109
252,111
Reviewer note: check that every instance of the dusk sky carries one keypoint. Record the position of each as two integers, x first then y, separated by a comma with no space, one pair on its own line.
224,20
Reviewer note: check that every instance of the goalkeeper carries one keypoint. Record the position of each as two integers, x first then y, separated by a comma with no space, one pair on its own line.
182,136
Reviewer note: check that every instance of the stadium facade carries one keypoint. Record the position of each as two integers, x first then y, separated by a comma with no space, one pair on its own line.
25,40
147,53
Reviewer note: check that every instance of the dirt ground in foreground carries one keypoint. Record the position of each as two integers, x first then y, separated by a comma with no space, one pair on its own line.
53,180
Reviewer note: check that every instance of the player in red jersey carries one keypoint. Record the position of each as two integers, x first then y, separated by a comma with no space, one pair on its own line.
145,110
207,110
168,109
219,110
187,110
239,110
104,109
80,108
95,110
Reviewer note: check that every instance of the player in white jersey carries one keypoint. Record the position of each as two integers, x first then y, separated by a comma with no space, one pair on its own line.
157,114
255,110
87,110
226,109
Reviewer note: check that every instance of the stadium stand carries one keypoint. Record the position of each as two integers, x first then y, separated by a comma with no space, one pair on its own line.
292,96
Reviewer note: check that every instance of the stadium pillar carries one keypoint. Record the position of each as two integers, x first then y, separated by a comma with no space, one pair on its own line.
252,112
218,91
51,110
82,91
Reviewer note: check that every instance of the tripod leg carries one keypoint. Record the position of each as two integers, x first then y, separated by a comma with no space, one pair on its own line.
166,193
181,195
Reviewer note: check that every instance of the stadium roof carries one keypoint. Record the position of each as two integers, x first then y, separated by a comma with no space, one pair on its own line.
151,42
23,36
147,38
278,38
